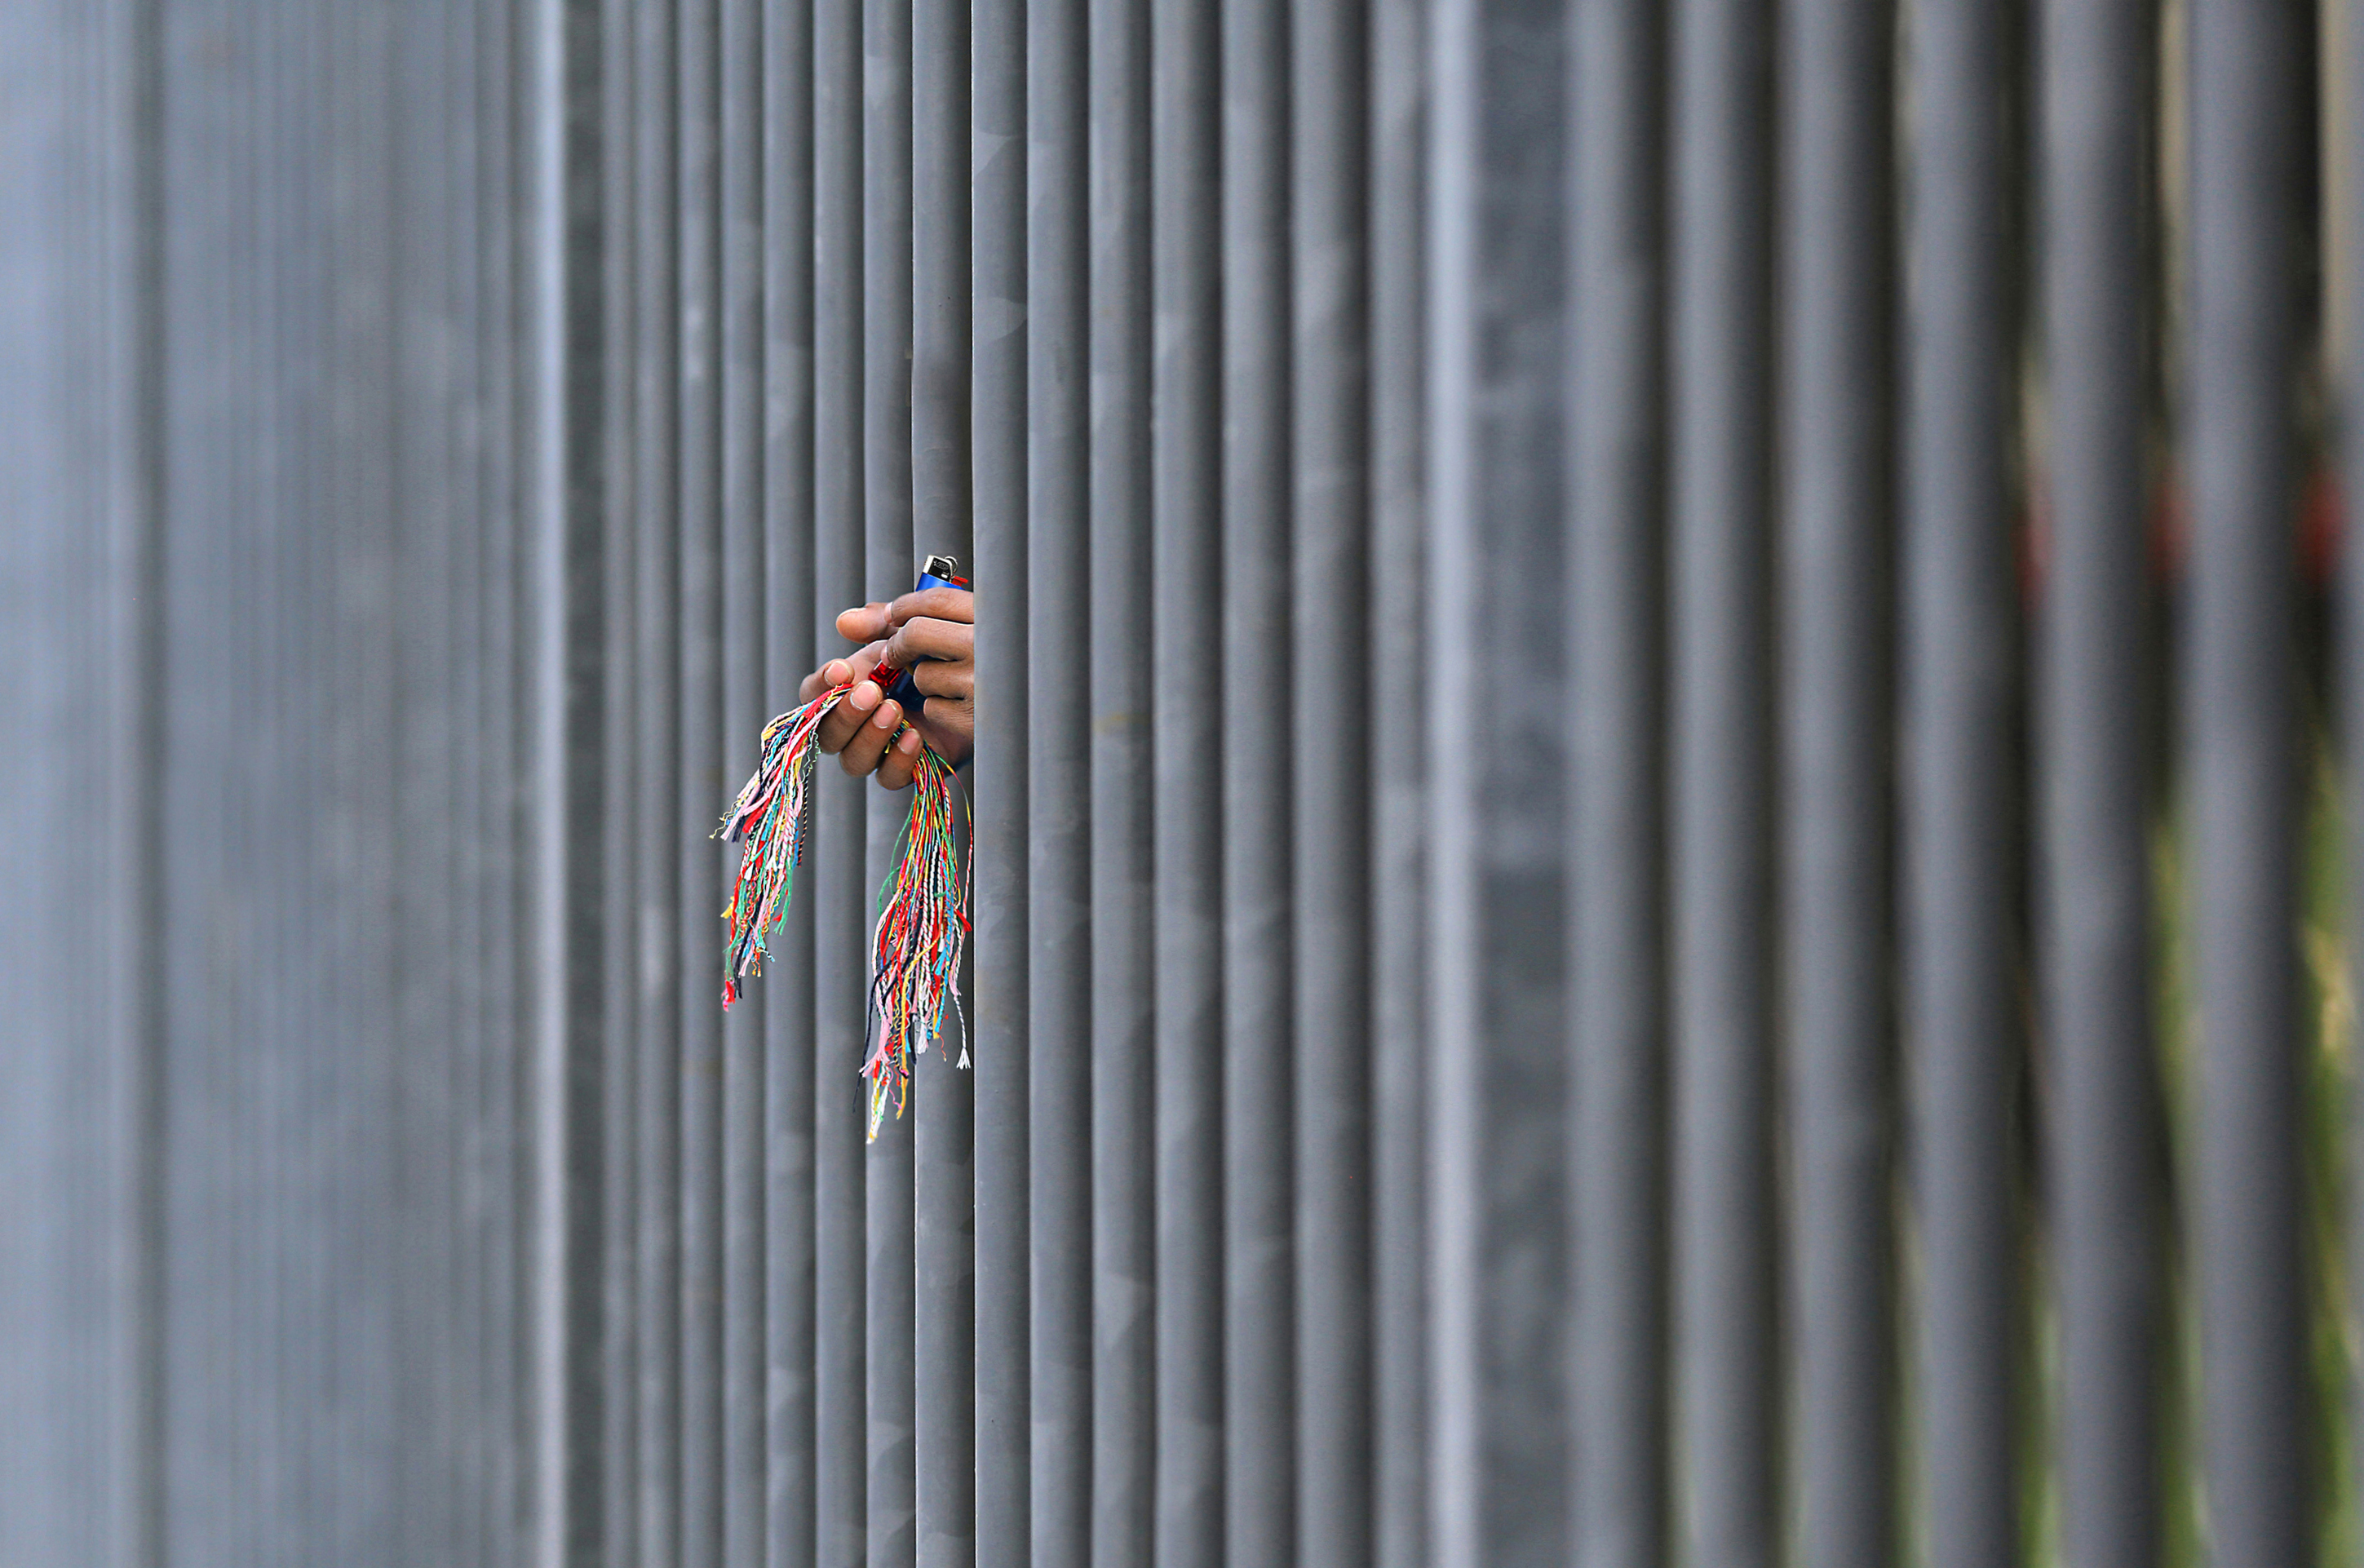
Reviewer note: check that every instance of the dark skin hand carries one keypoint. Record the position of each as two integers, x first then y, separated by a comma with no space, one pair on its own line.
932,633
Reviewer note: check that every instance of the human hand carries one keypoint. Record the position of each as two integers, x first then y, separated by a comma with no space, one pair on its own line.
929,633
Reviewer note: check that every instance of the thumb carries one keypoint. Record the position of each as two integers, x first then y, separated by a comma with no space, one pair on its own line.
865,624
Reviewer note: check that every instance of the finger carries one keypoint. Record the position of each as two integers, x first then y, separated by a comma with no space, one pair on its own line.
930,639
936,678
829,677
869,743
840,723
901,761
939,603
866,624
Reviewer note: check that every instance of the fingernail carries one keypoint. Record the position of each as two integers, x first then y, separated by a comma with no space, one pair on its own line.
887,717
909,744
865,697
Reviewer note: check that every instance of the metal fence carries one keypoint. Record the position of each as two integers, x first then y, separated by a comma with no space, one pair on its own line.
1657,824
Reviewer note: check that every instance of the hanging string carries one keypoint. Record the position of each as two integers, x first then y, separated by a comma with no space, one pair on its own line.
922,906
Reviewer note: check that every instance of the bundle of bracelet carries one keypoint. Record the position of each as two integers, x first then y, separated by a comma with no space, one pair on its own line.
922,907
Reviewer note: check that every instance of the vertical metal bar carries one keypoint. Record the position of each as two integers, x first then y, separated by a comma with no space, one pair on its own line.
619,1475
997,151
281,1338
1618,1155
699,714
426,263
337,1336
467,961
141,651
1398,753
562,725
498,1144
792,526
943,1093
1123,1006
939,269
886,510
1259,1206
2240,728
1058,715
342,1333
1959,657
656,421
447,1532
248,1281
473,980
264,1342
81,832
2105,1147
1836,909
213,1109
839,895
1498,806
1725,1190
745,678
1186,574
1329,251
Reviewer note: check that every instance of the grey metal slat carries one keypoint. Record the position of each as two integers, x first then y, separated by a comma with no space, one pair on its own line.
1259,1207
199,1436
337,1344
890,562
1498,806
1329,46
1058,812
746,704
428,223
839,895
656,420
997,424
503,1146
791,528
1836,908
942,1093
2104,1141
472,961
566,577
1399,760
325,690
698,712
1123,1008
618,1472
145,1523
1619,1141
495,1147
242,1259
1186,571
1960,745
1724,1218
269,1334
81,429
2240,728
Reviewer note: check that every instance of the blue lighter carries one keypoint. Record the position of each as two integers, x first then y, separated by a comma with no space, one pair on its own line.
936,571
